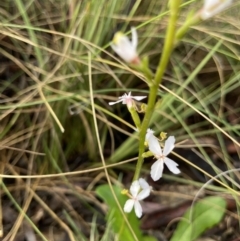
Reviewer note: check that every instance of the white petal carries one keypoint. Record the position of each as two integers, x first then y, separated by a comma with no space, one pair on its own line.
157,170
125,49
172,165
115,48
128,206
134,38
154,146
138,98
126,99
120,50
121,44
213,7
124,96
113,103
138,209
169,145
143,183
143,194
208,4
149,134
150,131
135,188
124,43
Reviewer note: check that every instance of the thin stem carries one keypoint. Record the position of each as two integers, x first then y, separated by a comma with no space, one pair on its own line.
135,117
167,50
185,27
18,207
21,6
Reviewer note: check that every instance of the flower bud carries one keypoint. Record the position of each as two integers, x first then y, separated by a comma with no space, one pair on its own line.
213,7
125,48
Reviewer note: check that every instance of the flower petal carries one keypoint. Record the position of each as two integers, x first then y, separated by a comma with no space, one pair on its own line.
135,188
169,145
124,96
128,206
143,194
120,43
149,134
113,103
157,170
134,38
138,209
172,165
124,47
143,183
115,48
213,7
138,98
154,146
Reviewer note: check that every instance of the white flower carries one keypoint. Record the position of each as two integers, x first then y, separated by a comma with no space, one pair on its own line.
161,155
213,7
149,134
125,48
127,99
138,191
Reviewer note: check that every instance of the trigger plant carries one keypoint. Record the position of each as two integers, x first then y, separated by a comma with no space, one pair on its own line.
127,50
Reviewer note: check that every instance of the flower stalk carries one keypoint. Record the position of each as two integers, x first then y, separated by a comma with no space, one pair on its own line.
127,50
186,26
135,117
129,100
167,50
209,9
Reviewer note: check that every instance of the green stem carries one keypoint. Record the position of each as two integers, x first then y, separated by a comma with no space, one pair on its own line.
185,27
135,117
167,50
143,67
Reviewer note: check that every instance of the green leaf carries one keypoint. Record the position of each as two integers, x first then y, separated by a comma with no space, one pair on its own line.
115,218
202,216
148,238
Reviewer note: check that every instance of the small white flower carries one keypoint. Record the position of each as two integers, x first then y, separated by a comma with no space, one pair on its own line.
127,99
149,134
138,191
213,7
161,155
125,48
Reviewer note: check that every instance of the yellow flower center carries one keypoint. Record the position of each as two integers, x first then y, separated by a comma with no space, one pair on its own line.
117,37
124,192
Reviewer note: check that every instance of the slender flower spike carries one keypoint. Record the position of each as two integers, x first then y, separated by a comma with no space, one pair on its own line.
161,155
125,48
213,7
128,100
138,191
